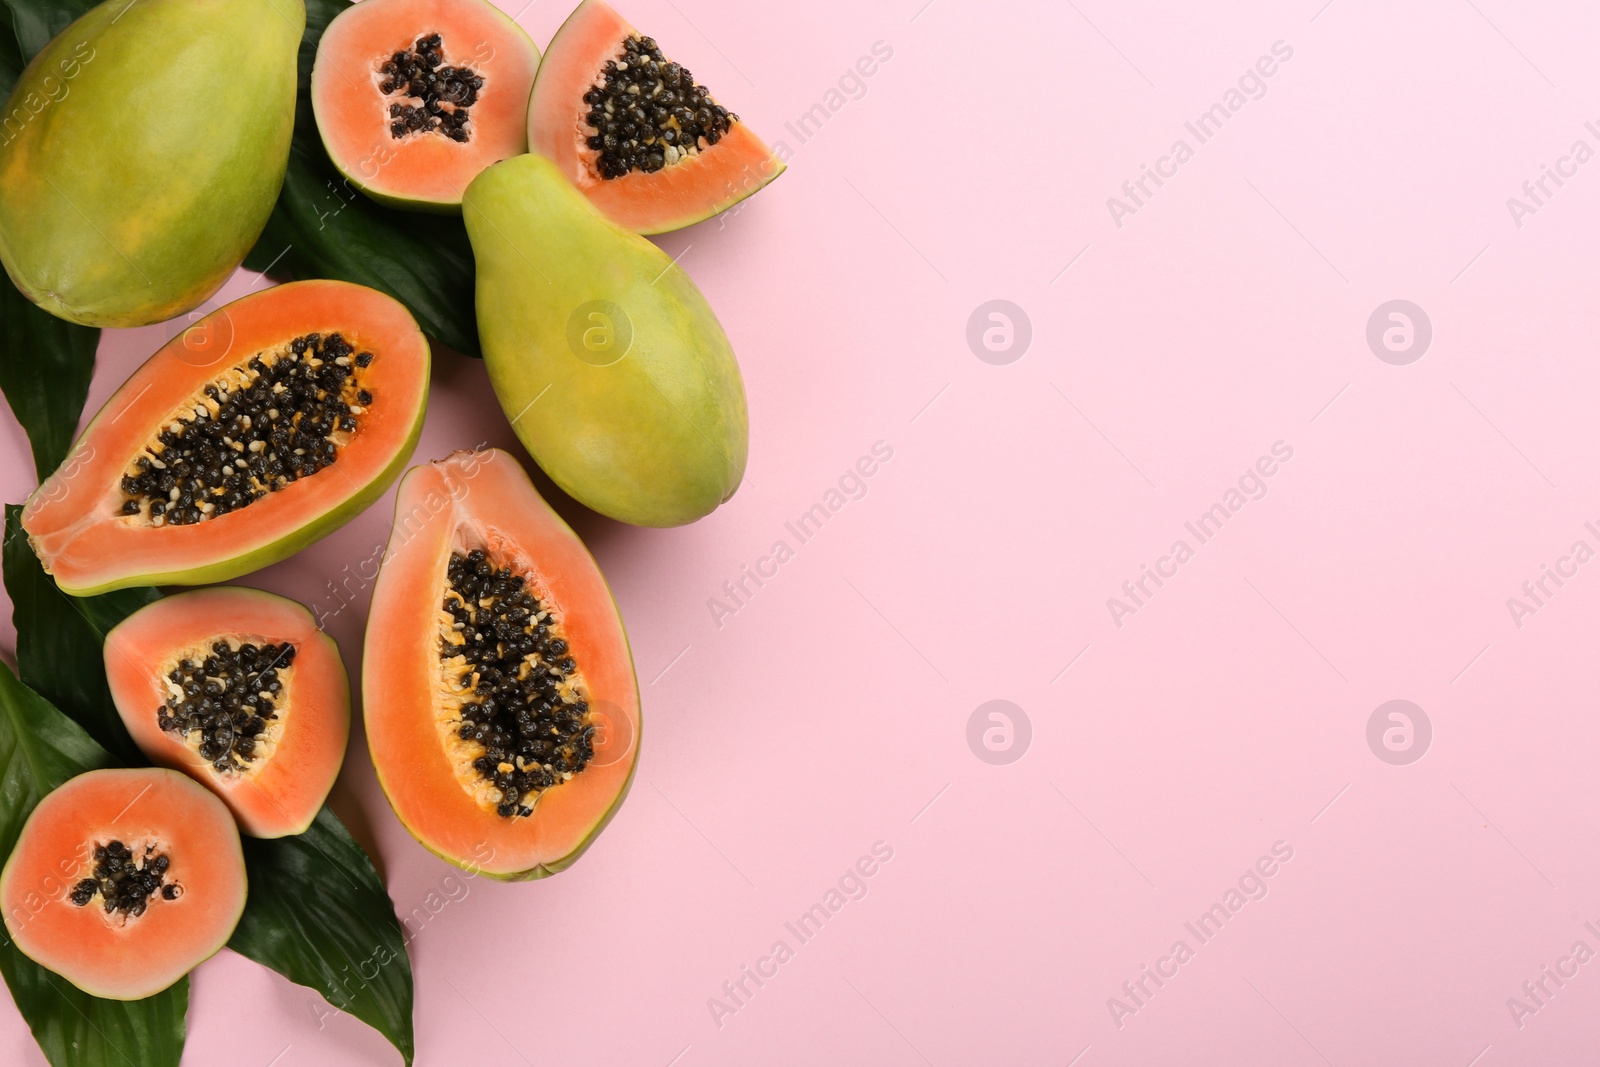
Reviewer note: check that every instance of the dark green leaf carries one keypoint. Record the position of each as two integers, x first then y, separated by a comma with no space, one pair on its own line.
103,612
11,62
318,915
45,367
39,749
46,362
76,1030
37,21
59,639
323,227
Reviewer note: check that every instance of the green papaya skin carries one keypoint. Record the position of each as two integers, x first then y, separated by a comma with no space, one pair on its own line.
141,152
607,359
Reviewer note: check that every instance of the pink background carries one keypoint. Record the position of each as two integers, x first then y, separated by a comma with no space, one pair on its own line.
1227,313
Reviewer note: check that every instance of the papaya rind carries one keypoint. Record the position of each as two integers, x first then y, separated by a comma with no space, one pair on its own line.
669,223
421,205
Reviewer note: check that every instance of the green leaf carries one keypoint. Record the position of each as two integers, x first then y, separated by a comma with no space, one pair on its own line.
46,362
37,21
318,915
39,749
323,227
11,62
75,1029
60,639
45,367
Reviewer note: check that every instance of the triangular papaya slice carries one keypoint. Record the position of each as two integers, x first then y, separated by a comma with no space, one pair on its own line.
647,143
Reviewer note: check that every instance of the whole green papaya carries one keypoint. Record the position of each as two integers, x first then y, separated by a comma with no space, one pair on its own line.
141,152
609,362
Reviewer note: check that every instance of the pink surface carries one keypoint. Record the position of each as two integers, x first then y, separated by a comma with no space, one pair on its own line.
1226,717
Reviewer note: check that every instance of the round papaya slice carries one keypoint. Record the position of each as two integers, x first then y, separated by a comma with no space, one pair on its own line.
123,881
501,706
635,131
414,97
264,426
240,690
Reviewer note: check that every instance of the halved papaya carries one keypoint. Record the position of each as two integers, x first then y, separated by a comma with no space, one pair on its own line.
501,706
414,97
124,881
634,130
240,690
267,424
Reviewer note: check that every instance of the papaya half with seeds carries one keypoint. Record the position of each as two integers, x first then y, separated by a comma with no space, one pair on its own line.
124,881
643,140
240,690
414,97
610,364
141,153
501,707
269,423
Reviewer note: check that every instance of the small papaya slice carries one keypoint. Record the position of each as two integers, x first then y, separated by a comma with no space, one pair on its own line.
634,130
240,690
141,152
264,426
501,707
124,881
414,97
